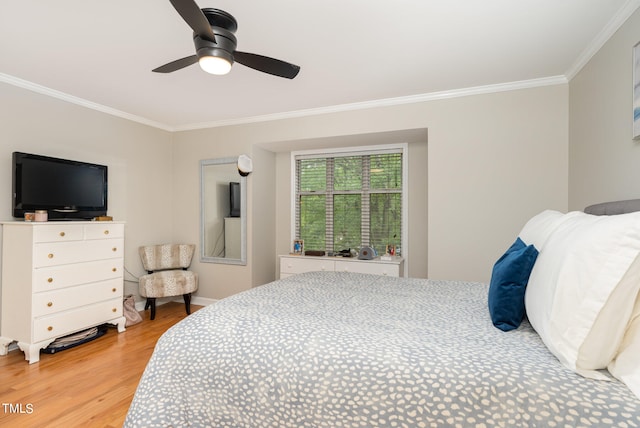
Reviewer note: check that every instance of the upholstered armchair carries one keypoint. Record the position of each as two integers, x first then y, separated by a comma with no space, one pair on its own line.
167,275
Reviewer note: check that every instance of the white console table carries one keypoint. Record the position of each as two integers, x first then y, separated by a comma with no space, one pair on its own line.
292,265
59,278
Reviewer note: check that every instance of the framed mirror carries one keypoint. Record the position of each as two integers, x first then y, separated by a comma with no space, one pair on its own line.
223,212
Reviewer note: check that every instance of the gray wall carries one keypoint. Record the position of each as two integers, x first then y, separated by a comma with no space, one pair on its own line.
490,163
604,160
139,158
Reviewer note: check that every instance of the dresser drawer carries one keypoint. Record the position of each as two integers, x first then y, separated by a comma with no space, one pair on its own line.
60,253
295,265
57,232
63,323
52,302
101,230
55,277
368,267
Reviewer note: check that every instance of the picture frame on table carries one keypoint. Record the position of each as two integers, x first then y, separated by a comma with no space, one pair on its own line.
298,247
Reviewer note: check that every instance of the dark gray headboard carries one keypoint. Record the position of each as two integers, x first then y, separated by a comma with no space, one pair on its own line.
611,208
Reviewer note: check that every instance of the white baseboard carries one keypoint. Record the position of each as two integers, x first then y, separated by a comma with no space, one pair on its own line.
202,301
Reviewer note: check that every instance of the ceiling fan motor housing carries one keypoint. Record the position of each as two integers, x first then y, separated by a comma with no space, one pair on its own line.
223,47
220,18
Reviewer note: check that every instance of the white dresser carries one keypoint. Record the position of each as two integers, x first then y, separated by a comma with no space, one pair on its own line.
59,278
291,265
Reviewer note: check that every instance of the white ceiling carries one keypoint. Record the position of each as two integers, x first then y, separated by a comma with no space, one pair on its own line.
352,53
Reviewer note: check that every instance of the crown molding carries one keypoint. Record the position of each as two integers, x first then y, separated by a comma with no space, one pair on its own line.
387,102
602,37
34,87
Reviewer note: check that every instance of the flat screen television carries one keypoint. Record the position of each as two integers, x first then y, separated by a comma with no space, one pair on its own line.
234,196
66,189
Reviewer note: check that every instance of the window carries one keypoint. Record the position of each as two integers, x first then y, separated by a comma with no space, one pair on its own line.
349,200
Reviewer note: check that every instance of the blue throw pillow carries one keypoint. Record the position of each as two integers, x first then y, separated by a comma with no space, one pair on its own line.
508,283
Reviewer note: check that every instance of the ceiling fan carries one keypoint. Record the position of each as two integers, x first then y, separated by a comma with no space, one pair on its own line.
216,44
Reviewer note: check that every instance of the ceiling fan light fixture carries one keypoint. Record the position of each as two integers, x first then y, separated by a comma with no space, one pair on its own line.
215,43
214,64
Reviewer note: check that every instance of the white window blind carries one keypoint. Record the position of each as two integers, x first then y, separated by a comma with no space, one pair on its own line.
349,200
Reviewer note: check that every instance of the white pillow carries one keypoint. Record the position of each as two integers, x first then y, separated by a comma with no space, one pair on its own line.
538,229
583,287
626,365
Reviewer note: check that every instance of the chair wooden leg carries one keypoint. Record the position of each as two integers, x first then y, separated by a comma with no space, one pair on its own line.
151,302
187,302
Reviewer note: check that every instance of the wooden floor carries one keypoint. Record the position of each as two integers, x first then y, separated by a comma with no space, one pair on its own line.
90,385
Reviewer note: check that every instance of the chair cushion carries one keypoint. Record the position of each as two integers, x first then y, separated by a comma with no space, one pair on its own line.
166,256
168,283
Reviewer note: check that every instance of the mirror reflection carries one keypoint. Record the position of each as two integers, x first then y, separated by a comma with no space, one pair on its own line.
223,212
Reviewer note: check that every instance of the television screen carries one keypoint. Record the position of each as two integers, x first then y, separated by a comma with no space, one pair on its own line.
234,195
67,189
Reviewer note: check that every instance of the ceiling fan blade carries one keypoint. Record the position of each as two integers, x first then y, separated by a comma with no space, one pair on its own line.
191,13
177,64
267,65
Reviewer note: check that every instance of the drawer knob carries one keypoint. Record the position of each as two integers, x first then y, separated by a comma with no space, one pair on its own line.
114,270
49,328
113,289
50,304
62,233
49,280
114,249
50,255
114,310
106,232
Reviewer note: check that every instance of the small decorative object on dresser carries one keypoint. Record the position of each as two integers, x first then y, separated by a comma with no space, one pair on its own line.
298,247
367,253
59,278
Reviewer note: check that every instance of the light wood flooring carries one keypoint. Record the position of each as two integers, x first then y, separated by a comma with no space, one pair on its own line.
91,385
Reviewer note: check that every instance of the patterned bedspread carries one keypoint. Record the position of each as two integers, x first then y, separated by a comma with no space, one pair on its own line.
349,350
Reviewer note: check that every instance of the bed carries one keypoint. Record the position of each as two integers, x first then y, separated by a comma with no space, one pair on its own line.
330,349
